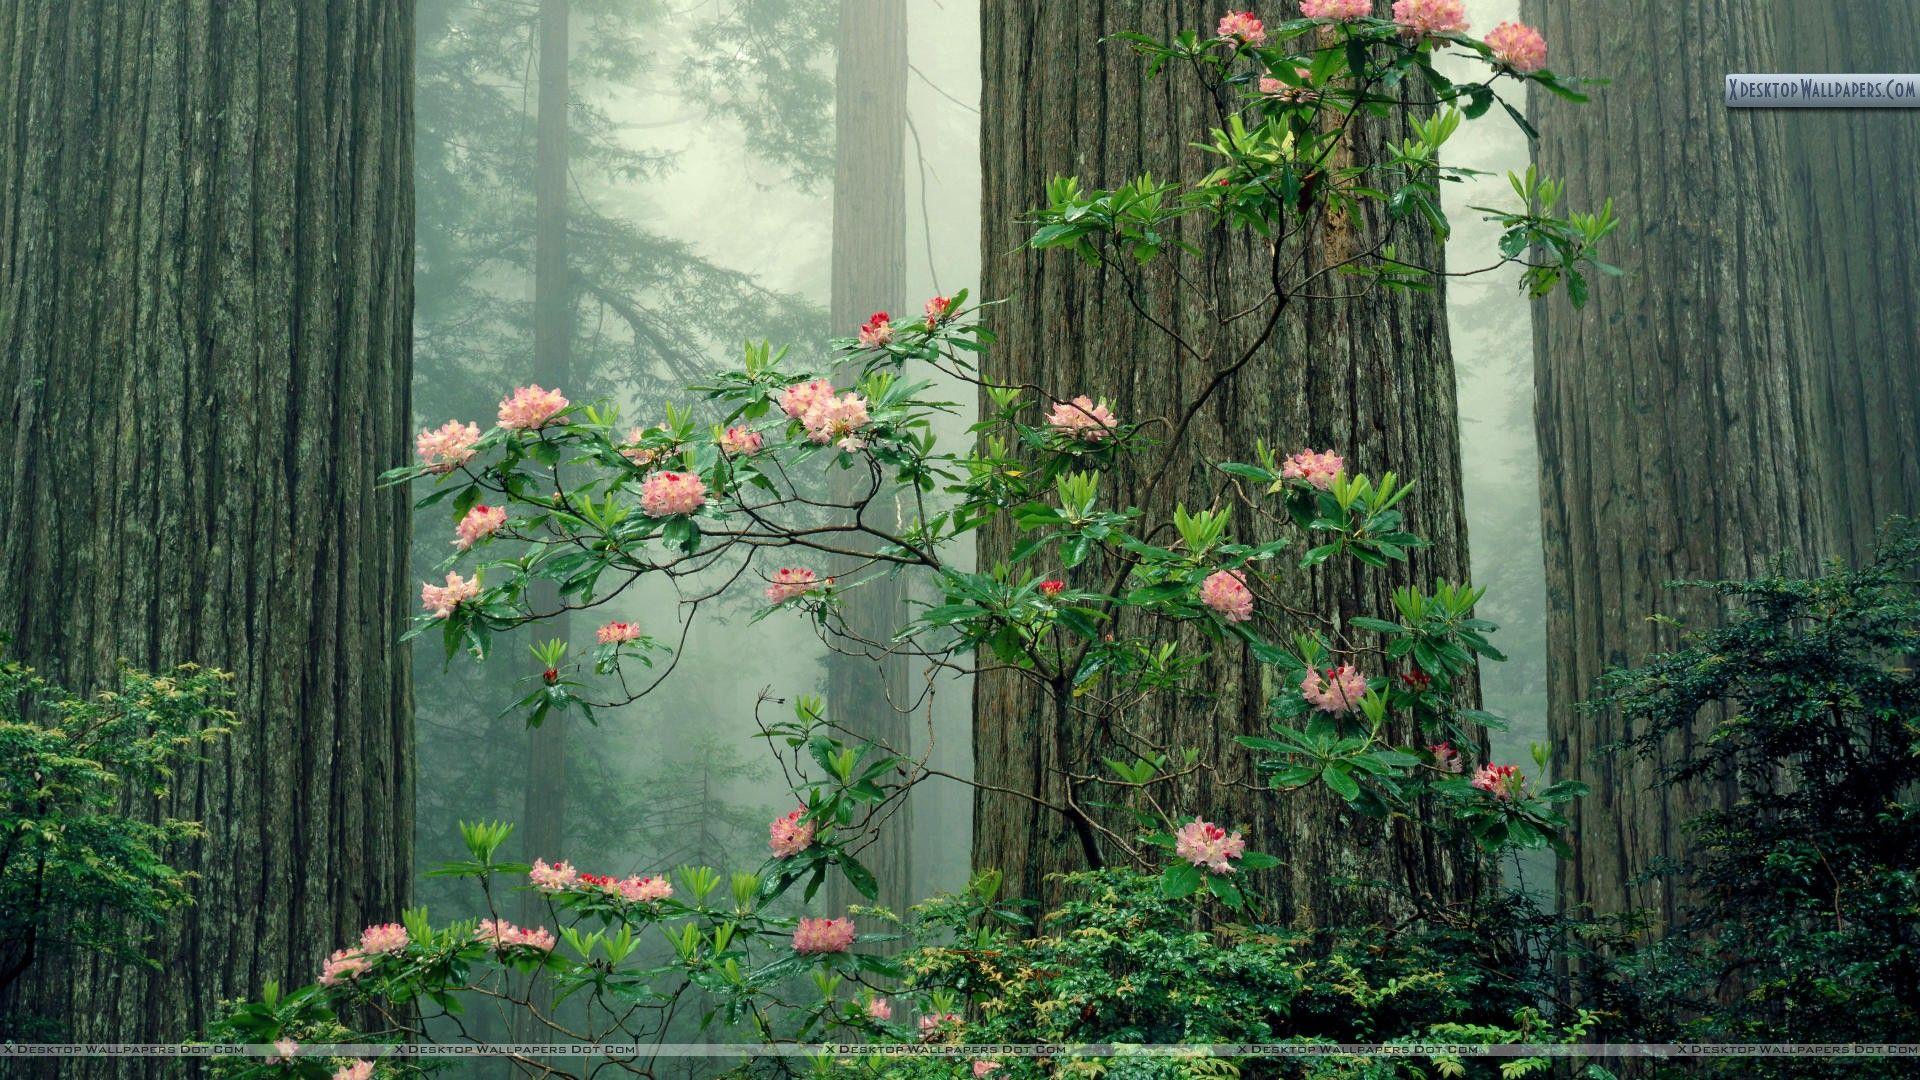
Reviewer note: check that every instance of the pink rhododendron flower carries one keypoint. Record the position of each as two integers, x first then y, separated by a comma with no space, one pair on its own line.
645,890
1207,845
442,599
616,633
741,441
938,308
343,964
879,1010
932,1024
502,934
1082,419
789,582
448,446
665,494
481,522
1499,781
1518,46
1336,9
1052,587
876,331
788,835
382,939
1446,758
358,1070
985,1068
1316,469
530,408
284,1050
816,936
1417,17
837,419
554,878
795,400
1243,27
1226,592
1335,690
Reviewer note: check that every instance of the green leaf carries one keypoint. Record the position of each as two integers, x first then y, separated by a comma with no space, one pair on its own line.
1179,880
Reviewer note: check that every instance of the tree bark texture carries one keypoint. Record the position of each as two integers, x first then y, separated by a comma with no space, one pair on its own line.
1371,377
872,699
206,223
1750,389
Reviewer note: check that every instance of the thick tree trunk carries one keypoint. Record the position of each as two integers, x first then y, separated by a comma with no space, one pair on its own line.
872,699
206,224
544,817
1750,389
1371,377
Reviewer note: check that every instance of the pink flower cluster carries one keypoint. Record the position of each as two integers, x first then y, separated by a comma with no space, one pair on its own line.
878,1009
442,599
787,835
1082,419
383,939
985,1068
933,1025
553,878
789,582
1446,758
832,418
343,964
1226,592
354,1070
816,936
1419,17
739,441
795,400
448,446
634,889
530,408
1336,9
876,331
644,456
502,934
1316,469
1242,27
664,494
1207,845
617,633
938,309
1335,690
1296,91
481,522
1518,46
1052,587
1499,781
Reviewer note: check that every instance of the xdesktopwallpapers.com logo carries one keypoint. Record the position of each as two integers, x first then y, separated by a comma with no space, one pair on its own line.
1861,91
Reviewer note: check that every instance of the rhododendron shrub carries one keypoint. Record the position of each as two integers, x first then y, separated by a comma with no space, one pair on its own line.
564,506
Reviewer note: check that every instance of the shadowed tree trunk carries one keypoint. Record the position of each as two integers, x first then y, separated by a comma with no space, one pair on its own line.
1371,377
871,698
206,226
1749,389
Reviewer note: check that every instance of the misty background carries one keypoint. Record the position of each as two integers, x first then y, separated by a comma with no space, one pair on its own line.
702,172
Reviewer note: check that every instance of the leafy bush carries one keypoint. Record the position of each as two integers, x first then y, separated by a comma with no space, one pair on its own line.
78,868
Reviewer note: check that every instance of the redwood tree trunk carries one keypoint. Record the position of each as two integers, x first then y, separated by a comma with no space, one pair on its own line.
1750,389
865,696
1369,377
543,820
206,226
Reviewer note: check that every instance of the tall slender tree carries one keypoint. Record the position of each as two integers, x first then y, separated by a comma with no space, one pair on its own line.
1370,375
544,813
870,691
1746,391
206,225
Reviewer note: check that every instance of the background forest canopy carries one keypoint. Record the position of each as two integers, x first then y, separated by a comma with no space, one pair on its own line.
1058,623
